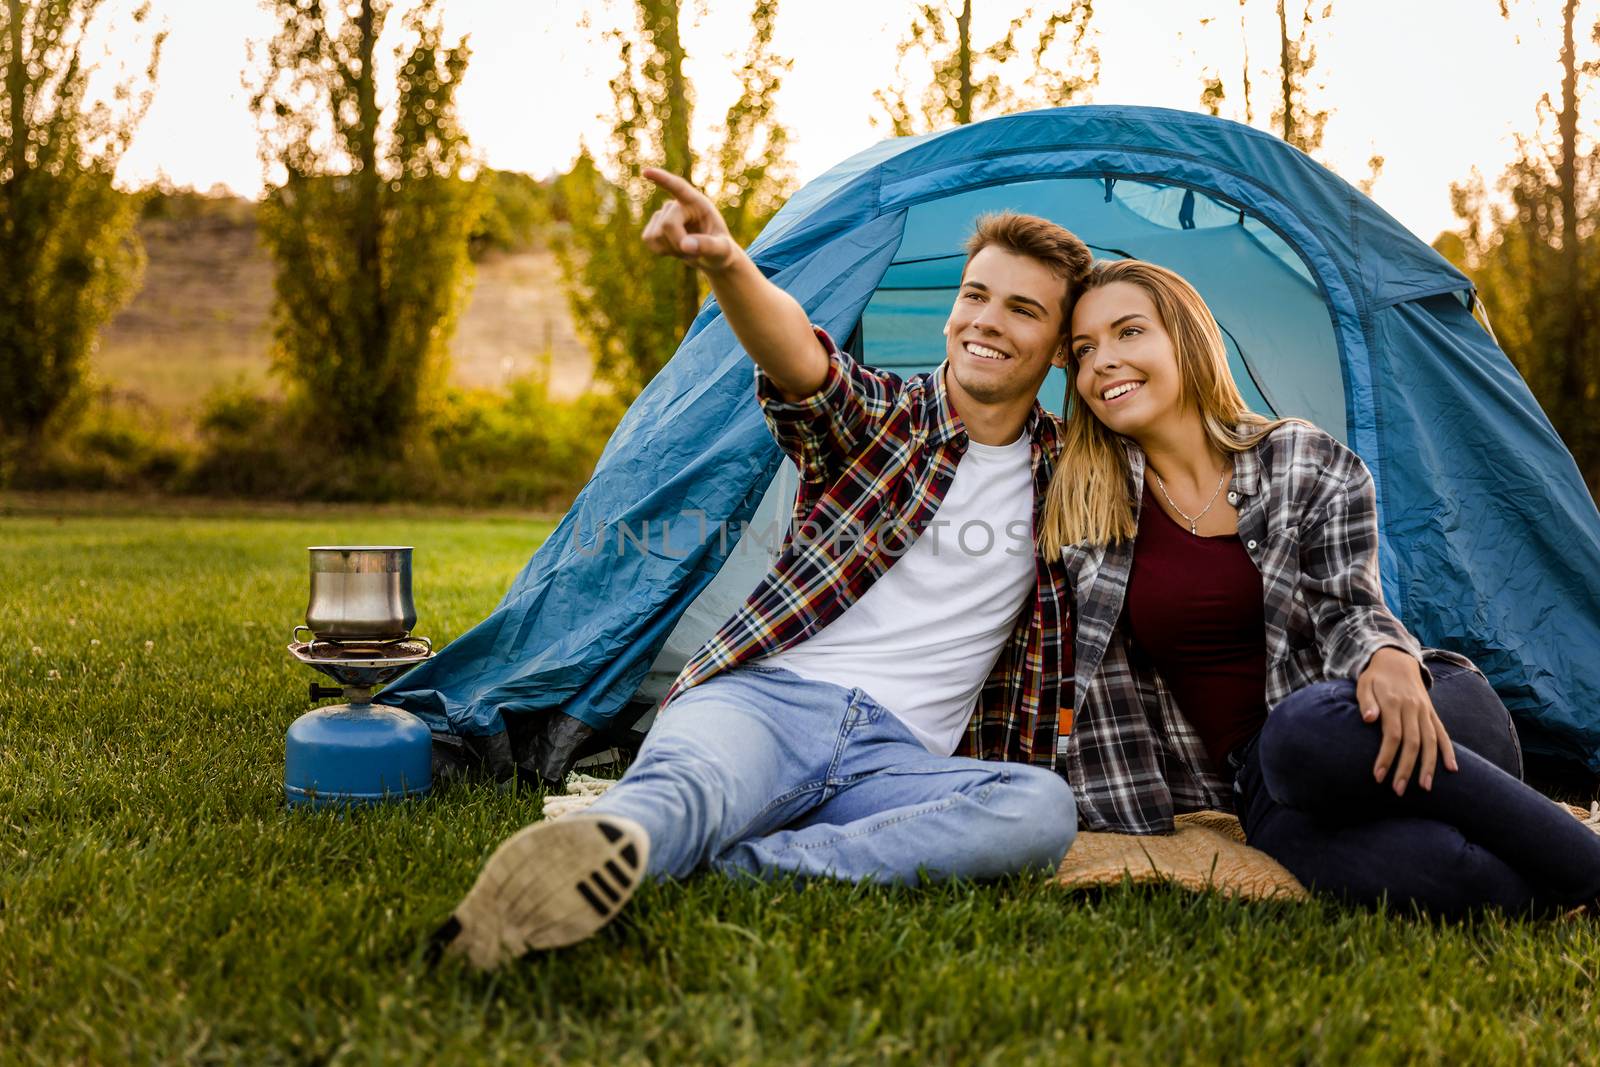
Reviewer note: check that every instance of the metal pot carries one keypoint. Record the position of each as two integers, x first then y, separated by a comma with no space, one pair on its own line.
360,593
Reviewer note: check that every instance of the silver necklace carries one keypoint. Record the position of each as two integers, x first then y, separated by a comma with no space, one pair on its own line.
1193,520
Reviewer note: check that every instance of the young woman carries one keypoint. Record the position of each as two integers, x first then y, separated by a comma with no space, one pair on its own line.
1232,647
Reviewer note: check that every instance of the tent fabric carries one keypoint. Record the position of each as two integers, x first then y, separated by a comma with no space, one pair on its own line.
1490,541
1490,533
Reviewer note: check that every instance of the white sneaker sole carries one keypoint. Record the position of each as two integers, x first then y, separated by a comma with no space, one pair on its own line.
548,885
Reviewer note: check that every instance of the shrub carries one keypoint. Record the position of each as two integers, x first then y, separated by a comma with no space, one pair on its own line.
515,212
246,447
217,207
479,448
521,448
518,448
110,442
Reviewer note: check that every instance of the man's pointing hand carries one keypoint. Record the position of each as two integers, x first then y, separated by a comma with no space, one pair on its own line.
689,226
769,323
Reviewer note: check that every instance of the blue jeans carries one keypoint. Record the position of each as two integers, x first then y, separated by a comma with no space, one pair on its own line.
1479,839
762,772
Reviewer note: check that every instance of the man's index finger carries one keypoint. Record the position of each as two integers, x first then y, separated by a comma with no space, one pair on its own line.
676,186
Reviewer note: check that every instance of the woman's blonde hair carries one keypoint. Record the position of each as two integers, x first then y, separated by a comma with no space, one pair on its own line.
1088,496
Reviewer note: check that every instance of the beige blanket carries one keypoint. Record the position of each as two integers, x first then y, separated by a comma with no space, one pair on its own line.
1207,852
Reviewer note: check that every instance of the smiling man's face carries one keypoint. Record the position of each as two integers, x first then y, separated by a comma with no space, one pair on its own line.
1004,332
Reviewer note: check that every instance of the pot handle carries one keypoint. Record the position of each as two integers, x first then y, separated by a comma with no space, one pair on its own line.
295,634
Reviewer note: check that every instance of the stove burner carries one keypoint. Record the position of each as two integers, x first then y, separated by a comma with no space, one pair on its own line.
337,648
352,651
359,669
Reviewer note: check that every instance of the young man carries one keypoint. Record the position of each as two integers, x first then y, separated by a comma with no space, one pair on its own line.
815,733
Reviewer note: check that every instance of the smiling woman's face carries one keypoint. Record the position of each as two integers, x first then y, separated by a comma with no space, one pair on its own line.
1127,367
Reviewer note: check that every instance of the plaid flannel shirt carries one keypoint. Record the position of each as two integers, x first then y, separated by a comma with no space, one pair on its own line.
1308,519
876,454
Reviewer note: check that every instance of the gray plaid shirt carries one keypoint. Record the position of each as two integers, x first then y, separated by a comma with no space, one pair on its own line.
1308,518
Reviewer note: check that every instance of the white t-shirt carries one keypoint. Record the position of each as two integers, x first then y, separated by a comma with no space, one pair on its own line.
923,639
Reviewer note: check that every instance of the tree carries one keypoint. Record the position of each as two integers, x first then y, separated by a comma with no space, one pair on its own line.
1298,122
966,82
1294,118
751,176
369,225
1244,71
514,212
1535,256
1212,91
632,307
69,256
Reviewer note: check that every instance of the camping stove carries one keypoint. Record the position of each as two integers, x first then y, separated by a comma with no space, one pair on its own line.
356,752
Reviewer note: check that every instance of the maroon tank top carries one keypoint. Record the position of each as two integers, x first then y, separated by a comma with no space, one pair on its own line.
1194,610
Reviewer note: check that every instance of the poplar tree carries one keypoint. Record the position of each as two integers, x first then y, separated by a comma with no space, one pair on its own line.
1297,120
633,308
69,256
1295,117
1534,252
1055,56
370,221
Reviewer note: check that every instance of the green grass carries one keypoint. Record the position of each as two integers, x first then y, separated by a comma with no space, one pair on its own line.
158,904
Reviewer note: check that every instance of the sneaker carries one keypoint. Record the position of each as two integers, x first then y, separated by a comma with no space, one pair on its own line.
548,885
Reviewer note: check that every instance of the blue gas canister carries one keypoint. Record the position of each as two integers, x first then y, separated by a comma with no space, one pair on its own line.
357,752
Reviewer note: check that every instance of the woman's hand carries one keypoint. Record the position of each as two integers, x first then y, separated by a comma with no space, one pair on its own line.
1391,689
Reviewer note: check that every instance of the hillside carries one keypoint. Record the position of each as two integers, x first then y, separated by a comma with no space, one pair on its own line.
202,319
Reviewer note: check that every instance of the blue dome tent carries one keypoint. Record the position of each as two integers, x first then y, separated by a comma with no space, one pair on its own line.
1332,312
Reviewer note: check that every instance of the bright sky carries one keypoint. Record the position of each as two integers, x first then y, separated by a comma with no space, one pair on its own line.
1436,86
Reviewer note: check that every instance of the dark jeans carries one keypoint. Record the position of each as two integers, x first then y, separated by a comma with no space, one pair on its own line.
1480,838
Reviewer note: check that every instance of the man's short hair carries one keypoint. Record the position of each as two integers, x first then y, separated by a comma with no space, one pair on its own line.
1057,247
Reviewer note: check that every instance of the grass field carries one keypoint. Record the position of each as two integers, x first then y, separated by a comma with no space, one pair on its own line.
159,905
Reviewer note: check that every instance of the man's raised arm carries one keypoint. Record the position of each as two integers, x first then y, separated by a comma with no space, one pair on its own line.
770,324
